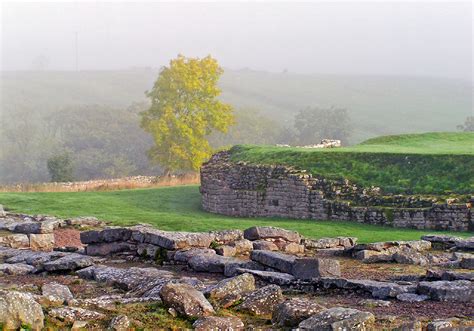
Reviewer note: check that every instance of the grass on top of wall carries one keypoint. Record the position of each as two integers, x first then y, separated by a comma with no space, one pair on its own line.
429,163
179,209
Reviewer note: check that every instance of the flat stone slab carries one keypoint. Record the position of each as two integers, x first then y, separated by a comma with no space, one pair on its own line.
172,240
309,268
442,290
16,269
379,290
183,256
269,232
127,279
339,318
212,263
107,235
34,227
69,262
275,260
293,311
108,248
278,278
262,301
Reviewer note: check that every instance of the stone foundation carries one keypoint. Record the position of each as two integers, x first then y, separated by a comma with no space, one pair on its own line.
244,190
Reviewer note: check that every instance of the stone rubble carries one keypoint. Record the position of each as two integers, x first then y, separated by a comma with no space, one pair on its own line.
253,281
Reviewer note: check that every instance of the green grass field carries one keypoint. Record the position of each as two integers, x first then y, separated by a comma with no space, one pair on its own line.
429,163
179,208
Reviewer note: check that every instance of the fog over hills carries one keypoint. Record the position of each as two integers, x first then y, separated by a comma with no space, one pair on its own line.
377,104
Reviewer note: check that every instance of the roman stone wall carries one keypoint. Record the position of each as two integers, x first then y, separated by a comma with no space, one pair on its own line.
240,189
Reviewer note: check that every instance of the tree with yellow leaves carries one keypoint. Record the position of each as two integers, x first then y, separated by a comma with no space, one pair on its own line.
184,111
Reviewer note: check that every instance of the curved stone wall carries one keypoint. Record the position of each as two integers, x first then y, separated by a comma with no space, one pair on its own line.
240,189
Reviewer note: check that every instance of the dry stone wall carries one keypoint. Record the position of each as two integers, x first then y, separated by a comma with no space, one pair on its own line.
246,190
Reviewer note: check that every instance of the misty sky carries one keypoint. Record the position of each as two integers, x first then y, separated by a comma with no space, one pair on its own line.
403,38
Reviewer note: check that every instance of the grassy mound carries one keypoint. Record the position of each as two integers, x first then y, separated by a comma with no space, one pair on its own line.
429,163
179,209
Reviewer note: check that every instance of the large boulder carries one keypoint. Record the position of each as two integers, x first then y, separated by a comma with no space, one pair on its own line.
214,323
17,309
339,318
269,232
230,290
291,312
186,300
458,291
2,211
263,301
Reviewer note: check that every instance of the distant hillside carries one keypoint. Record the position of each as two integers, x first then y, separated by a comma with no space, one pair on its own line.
415,163
378,105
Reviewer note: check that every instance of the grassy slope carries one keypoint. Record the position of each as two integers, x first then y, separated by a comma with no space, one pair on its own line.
422,163
178,208
378,104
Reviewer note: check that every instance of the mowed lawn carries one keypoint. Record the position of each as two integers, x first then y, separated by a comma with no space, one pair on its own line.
179,208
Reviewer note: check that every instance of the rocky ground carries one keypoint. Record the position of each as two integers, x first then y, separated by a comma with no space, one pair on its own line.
99,277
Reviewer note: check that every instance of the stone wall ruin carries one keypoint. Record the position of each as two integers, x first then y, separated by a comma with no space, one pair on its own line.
247,190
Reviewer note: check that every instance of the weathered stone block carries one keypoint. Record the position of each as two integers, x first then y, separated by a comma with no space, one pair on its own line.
34,227
42,242
186,300
218,323
263,301
457,291
275,260
264,245
293,311
308,268
15,241
109,248
266,232
339,319
230,290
